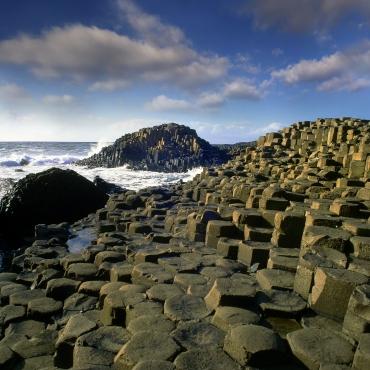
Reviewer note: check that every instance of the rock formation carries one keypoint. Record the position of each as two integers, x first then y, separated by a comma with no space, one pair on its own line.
47,197
165,148
261,263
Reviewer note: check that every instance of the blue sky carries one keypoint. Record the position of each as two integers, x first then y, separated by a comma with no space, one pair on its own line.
93,70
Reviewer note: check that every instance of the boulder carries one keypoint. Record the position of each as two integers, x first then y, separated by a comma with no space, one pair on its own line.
49,197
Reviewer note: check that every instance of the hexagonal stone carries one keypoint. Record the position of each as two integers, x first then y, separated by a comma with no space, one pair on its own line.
228,248
185,279
9,289
254,345
228,292
114,308
98,347
108,256
76,326
281,303
325,236
161,292
150,273
185,307
8,276
251,253
198,335
157,323
134,311
227,317
71,258
11,313
332,290
215,272
154,365
121,272
217,229
40,345
91,287
361,360
108,288
79,302
205,359
62,288
27,327
357,318
316,347
199,290
275,279
43,308
146,345
178,264
7,357
22,298
82,271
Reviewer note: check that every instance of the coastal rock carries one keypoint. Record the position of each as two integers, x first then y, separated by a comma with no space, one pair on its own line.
165,148
51,196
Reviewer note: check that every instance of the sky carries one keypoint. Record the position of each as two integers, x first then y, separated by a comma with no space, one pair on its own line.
94,70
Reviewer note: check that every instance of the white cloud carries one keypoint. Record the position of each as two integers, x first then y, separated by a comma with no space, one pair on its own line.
236,89
157,52
305,15
12,92
164,103
211,100
344,84
243,62
242,89
343,70
149,27
108,85
58,99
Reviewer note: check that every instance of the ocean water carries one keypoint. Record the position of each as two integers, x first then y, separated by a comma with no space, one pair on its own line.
18,159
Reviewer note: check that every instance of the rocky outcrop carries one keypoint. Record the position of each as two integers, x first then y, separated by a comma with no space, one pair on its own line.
165,148
48,197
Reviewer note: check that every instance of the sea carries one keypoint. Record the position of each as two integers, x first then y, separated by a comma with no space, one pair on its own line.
18,159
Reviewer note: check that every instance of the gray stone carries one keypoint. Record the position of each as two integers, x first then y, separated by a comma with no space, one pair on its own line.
254,345
316,347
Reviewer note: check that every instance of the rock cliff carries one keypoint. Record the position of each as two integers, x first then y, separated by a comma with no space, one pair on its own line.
165,148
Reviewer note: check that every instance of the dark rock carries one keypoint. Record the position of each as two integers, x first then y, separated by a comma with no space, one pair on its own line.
48,197
107,187
165,148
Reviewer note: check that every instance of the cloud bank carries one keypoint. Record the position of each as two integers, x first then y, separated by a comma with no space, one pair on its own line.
158,52
344,70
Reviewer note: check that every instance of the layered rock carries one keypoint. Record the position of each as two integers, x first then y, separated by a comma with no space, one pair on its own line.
165,148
